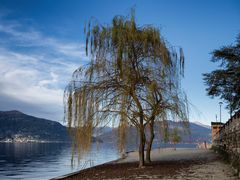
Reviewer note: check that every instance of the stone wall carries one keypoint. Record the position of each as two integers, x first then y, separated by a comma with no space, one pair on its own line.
227,140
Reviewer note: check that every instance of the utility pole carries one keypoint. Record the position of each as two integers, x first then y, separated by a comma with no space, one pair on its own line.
220,104
216,117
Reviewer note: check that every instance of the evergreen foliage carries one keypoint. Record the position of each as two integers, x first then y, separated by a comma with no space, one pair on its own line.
225,81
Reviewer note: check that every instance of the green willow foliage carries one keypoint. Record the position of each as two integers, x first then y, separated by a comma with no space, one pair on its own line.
133,78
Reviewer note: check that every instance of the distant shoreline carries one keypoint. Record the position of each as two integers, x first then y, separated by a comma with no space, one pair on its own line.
33,141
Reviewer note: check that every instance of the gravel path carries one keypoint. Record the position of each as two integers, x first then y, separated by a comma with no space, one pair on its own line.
189,164
169,154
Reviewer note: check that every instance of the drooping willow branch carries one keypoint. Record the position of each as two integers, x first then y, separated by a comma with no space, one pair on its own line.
133,78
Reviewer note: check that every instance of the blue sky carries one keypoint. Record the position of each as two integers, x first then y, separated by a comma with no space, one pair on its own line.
42,43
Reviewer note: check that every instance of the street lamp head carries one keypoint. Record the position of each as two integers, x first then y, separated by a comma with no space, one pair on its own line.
220,103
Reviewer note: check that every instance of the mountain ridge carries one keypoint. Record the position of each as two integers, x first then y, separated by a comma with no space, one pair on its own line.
16,126
201,124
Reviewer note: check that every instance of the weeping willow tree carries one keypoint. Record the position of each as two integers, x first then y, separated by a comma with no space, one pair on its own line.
132,79
165,100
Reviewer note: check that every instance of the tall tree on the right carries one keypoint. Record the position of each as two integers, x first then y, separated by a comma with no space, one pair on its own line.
225,81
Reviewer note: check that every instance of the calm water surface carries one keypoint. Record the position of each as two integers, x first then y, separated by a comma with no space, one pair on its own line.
46,160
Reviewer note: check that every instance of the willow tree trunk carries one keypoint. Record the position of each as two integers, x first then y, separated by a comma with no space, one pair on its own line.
150,141
141,143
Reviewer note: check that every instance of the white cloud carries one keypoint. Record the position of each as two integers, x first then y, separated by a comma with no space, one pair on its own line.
47,82
34,38
30,86
34,69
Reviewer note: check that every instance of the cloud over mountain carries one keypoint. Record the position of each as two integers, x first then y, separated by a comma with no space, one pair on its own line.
35,68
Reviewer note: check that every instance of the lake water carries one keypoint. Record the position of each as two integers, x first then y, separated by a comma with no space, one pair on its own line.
48,160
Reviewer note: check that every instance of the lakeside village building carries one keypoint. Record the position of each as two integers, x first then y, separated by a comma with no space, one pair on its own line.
226,140
216,126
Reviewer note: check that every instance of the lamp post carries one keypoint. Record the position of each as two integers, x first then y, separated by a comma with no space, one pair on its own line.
220,104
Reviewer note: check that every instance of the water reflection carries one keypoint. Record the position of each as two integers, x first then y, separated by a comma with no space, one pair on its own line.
46,160
26,152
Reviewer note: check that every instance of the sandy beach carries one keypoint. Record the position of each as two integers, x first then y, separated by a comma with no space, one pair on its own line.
183,163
